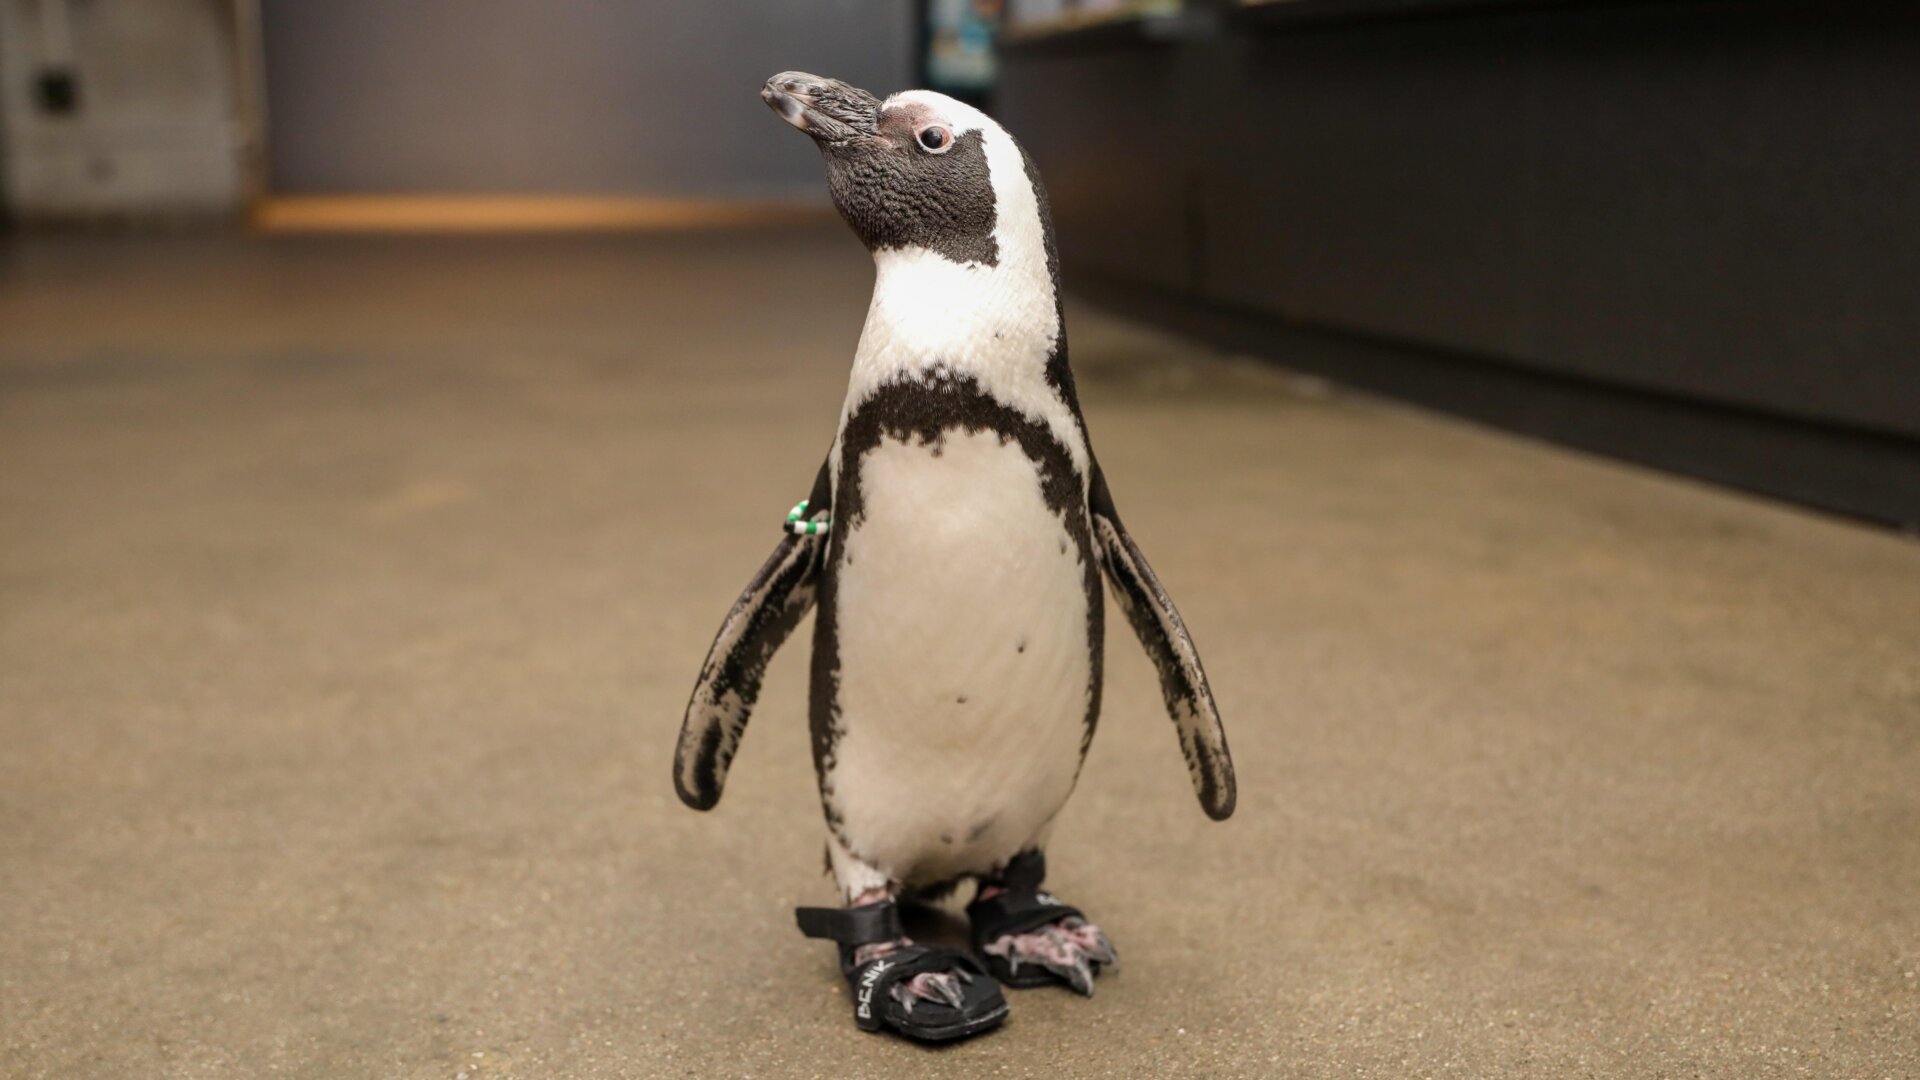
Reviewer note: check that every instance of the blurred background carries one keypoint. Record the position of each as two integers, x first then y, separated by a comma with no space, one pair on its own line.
1674,232
1520,397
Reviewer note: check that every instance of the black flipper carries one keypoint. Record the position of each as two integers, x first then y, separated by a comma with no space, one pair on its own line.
1182,681
775,601
980,1007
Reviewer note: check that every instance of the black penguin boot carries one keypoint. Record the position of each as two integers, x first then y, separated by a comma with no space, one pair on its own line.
925,992
1029,938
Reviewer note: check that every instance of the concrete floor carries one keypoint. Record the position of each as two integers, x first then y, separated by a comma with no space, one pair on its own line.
350,592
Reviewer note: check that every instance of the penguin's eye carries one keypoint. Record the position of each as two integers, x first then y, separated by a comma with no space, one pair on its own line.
936,139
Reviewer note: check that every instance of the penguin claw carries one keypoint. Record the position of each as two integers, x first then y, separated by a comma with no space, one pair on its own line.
936,986
1097,947
942,987
1072,949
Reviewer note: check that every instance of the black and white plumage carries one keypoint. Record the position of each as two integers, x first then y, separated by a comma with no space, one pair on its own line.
956,674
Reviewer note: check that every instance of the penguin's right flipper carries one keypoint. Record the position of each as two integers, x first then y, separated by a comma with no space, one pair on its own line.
1182,681
773,603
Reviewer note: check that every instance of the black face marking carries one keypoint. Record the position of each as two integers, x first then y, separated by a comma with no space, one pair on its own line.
921,411
895,194
980,830
900,176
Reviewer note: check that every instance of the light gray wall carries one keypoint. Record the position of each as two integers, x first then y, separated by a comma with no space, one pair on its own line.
158,131
542,97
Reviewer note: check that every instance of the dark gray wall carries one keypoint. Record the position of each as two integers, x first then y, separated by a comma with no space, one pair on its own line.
1709,200
1712,206
524,96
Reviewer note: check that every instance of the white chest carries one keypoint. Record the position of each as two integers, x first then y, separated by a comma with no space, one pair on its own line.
964,658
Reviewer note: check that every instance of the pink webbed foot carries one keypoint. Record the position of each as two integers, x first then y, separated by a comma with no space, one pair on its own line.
945,987
1071,948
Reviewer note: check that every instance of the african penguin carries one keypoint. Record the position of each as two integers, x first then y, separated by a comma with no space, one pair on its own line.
956,674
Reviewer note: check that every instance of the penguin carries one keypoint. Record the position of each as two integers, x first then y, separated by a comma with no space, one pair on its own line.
954,545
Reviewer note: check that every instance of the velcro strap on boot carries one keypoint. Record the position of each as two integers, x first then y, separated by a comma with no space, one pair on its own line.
1015,913
1020,905
1024,872
868,924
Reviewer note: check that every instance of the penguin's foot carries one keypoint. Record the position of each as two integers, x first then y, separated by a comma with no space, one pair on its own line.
944,987
1072,949
925,992
1028,937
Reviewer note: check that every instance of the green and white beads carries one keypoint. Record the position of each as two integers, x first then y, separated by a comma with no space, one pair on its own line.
800,527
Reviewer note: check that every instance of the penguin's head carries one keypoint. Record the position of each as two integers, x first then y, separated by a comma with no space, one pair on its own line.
910,171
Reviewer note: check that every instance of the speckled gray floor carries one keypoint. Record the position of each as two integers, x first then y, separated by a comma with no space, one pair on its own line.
350,592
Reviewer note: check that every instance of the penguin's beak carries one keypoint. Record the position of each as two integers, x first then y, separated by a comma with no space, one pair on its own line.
827,109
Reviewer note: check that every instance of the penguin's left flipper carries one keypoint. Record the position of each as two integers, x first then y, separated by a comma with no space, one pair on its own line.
1182,681
773,603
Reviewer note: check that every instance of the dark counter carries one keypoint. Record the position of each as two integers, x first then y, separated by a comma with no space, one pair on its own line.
1683,233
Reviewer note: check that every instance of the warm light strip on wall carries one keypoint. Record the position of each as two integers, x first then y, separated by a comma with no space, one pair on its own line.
515,213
